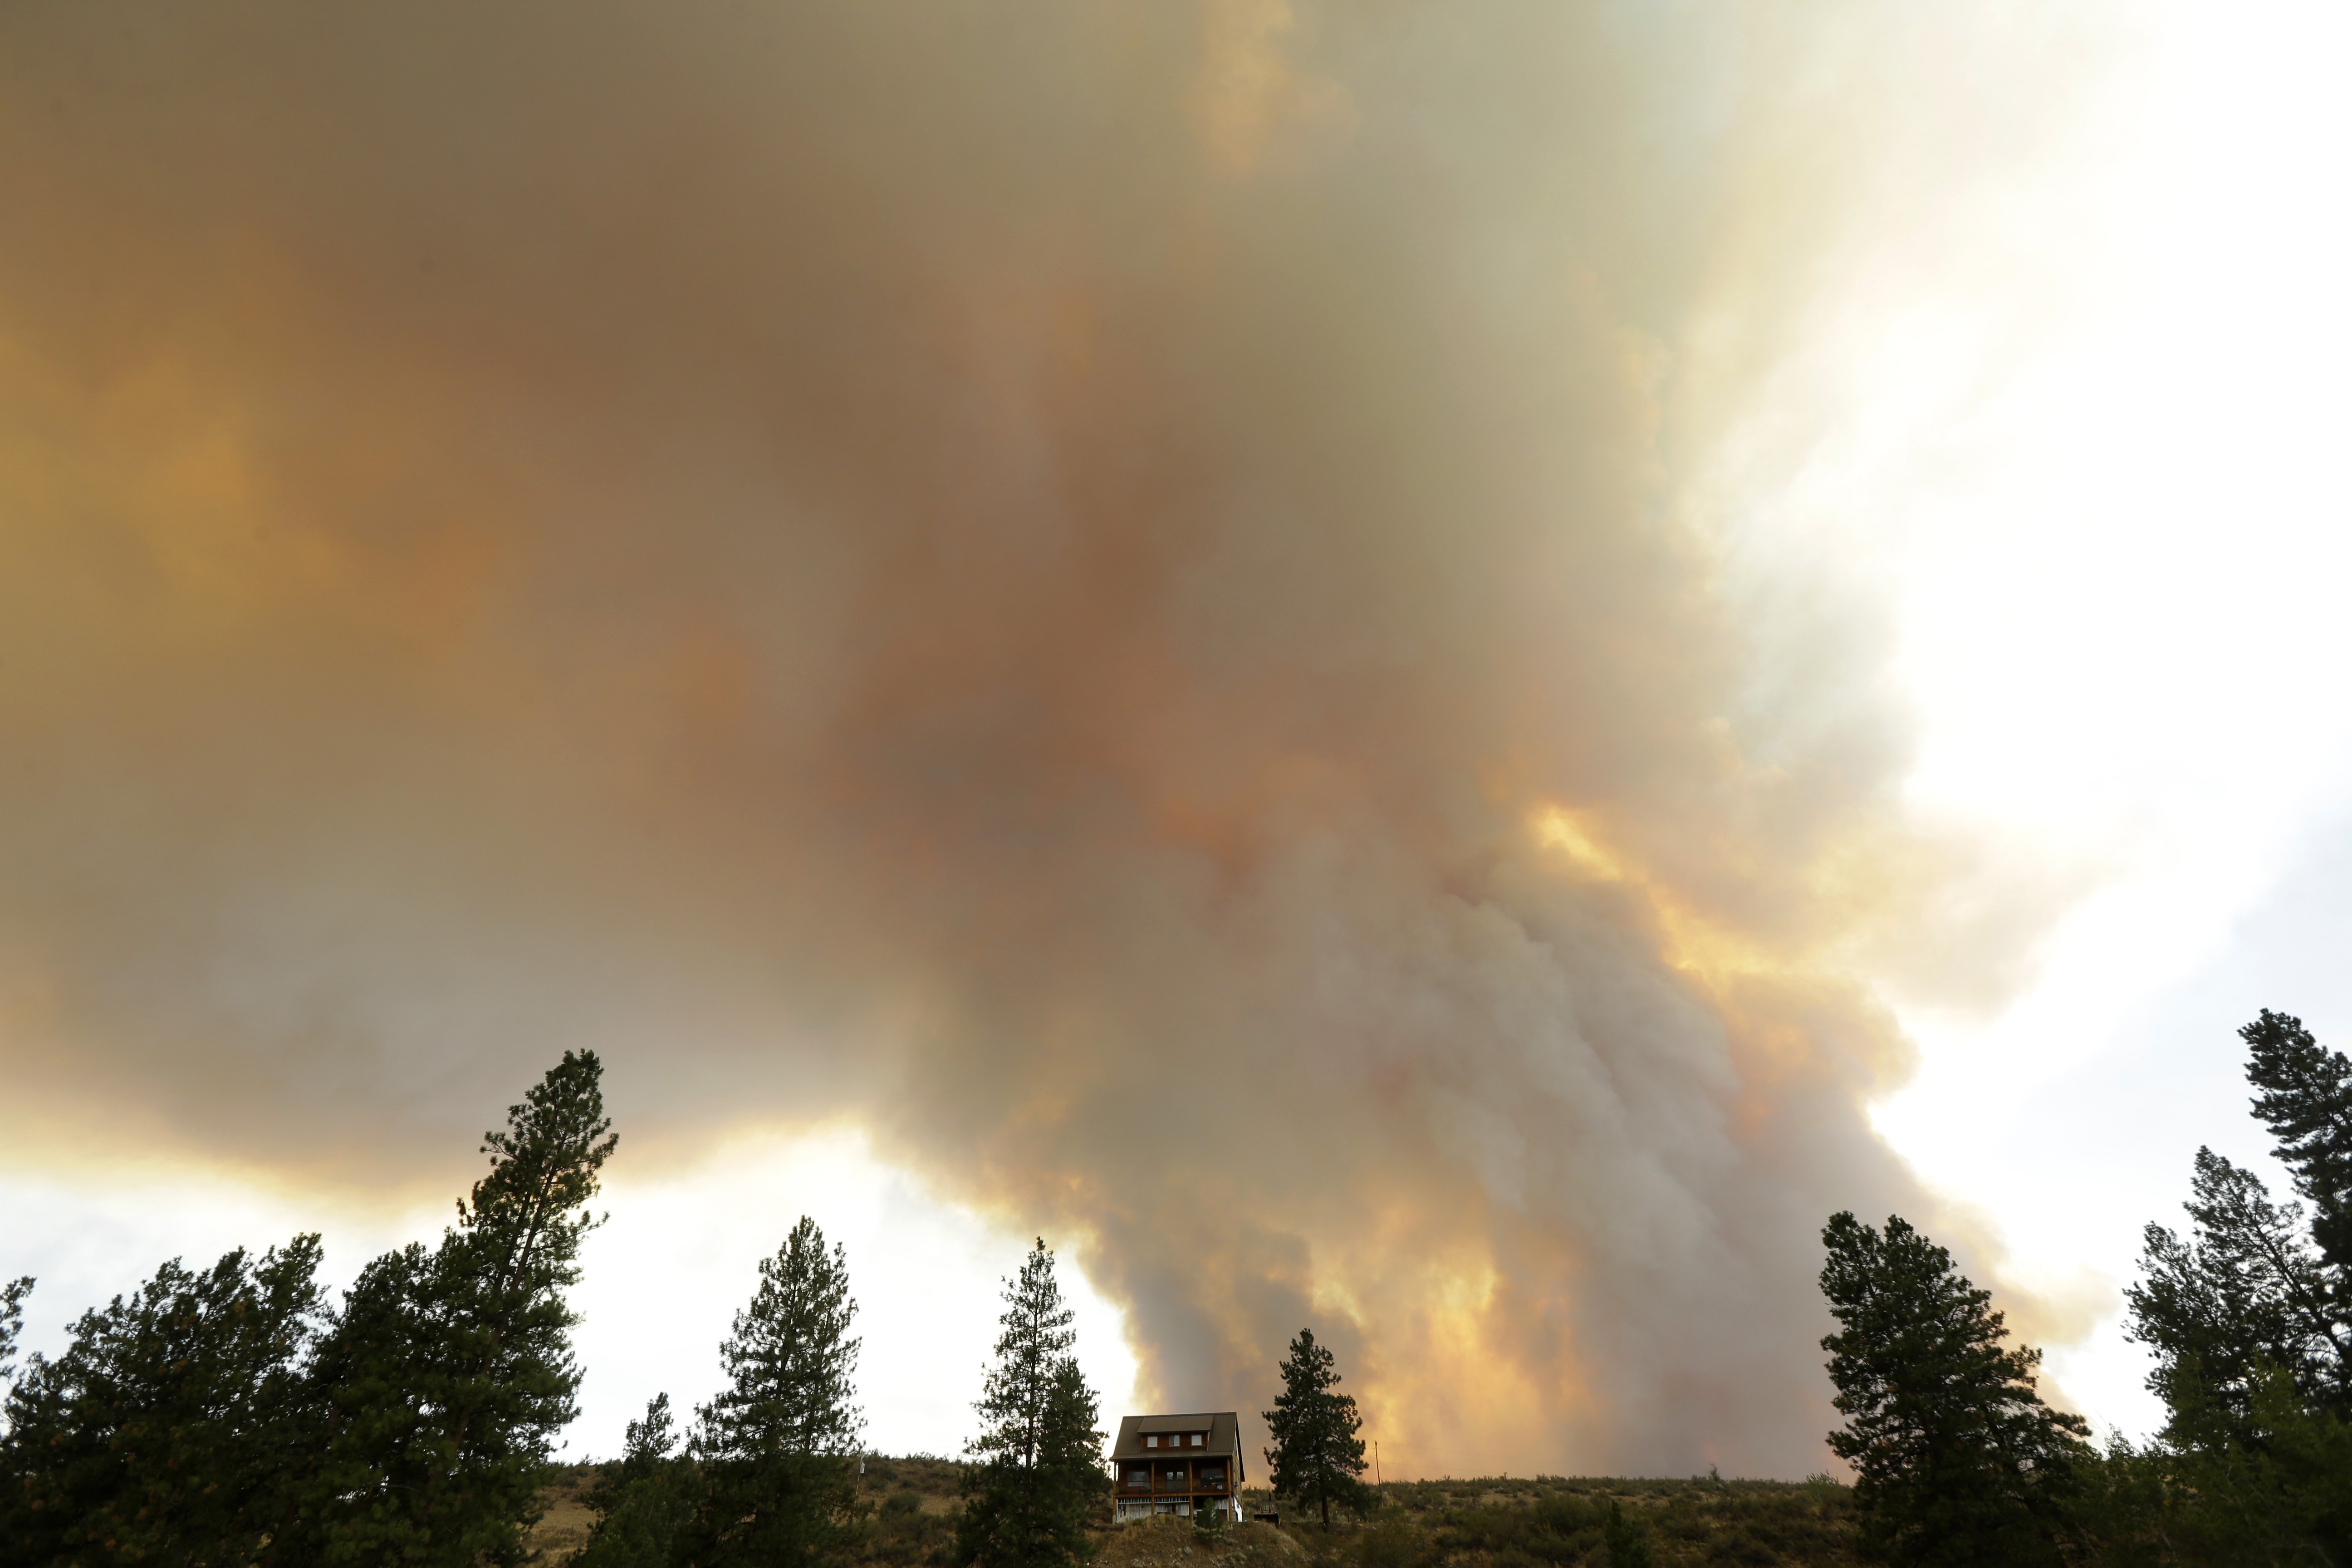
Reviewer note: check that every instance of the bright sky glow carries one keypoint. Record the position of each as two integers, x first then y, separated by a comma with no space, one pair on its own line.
681,1256
2117,574
662,1281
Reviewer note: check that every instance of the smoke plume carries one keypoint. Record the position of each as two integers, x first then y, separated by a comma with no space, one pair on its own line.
1106,589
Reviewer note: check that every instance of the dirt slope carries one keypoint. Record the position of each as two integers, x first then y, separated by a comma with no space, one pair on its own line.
1173,1543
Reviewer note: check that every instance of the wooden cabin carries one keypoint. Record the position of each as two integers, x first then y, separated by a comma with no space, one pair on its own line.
1175,1464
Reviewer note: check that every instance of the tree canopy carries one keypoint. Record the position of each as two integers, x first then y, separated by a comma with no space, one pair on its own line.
1956,1458
452,1368
1315,1456
2250,1321
172,1424
231,1416
1039,1455
773,1447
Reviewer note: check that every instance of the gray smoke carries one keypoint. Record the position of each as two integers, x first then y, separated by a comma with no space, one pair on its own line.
1100,587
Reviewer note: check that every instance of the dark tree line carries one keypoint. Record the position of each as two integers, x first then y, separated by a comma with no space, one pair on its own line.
234,1416
237,1417
2249,1316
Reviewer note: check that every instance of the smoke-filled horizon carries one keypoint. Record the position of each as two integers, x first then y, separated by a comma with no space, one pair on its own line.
1111,593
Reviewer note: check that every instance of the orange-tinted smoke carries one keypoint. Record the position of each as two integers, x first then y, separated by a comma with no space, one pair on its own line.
1099,587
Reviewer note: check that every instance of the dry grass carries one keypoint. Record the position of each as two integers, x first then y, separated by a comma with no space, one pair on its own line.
1498,1522
564,1519
911,1503
1556,1522
1173,1543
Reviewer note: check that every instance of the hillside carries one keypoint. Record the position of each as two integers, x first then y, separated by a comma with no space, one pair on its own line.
1543,1522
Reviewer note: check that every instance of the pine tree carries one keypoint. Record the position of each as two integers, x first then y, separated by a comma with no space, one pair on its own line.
1317,1456
2306,1100
449,1370
2250,1319
228,1416
171,1427
1956,1458
1039,1465
646,1446
645,1502
12,1323
774,1446
2245,1295
790,1361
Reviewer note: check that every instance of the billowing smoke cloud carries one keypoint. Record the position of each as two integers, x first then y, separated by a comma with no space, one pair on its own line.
1100,588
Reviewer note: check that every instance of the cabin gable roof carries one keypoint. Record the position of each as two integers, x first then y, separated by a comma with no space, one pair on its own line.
1224,1440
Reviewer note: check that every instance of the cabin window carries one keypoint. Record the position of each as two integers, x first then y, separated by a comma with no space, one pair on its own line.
1196,1440
1151,1442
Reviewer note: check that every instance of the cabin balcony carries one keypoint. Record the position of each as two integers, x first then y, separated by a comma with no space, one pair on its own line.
1176,1482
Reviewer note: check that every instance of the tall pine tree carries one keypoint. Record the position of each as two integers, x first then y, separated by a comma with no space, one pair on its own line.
2305,1099
1039,1455
2250,1318
1317,1456
2245,1296
774,1448
1956,1458
449,1370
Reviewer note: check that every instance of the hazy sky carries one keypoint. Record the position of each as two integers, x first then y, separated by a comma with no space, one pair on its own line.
1438,670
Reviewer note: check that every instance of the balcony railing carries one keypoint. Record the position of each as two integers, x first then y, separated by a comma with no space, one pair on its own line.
1170,1482
1212,1481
